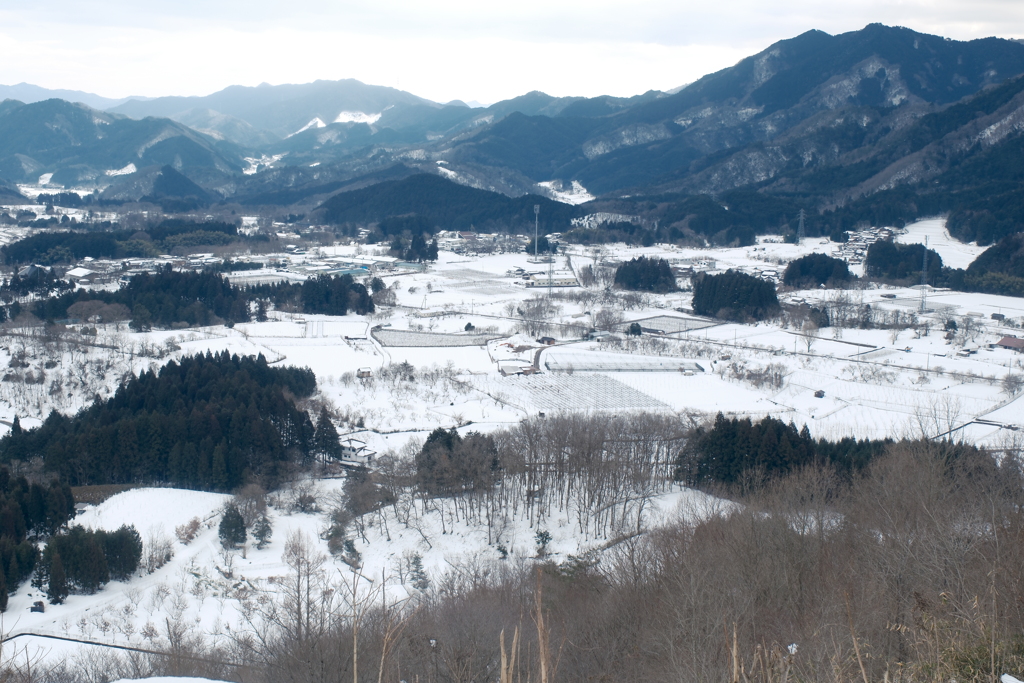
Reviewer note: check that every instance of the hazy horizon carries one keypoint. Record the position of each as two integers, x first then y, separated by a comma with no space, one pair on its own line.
445,51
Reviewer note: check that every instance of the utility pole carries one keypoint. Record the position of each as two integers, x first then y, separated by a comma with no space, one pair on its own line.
924,276
551,264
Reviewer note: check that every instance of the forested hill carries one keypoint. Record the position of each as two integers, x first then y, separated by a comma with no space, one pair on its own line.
882,125
169,297
209,422
447,204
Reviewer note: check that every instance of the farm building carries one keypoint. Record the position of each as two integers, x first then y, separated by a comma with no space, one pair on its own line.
1011,343
354,453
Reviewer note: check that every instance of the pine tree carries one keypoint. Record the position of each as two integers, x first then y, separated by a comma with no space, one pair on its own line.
58,586
418,575
92,571
13,574
16,426
123,549
325,439
232,527
261,531
220,466
3,592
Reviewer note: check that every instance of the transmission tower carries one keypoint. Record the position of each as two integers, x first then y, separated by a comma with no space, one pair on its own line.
536,239
800,229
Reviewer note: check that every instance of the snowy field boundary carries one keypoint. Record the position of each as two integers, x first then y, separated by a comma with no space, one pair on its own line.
429,339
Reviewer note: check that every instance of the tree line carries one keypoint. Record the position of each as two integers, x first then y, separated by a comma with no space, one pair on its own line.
82,560
27,511
437,201
814,270
646,275
169,297
67,247
208,422
733,295
735,451
903,262
997,270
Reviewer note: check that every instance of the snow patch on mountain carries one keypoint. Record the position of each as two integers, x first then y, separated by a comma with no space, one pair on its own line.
447,172
254,163
629,136
357,117
574,194
315,123
127,170
45,178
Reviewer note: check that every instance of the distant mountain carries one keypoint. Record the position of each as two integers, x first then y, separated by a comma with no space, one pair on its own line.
224,127
77,144
9,193
292,185
880,125
160,185
709,136
446,204
28,93
283,109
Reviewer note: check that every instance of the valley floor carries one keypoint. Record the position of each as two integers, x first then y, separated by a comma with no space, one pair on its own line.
865,383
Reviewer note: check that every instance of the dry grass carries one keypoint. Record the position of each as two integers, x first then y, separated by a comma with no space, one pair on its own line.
94,495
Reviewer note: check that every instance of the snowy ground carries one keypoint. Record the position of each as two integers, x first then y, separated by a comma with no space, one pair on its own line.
876,383
202,585
954,254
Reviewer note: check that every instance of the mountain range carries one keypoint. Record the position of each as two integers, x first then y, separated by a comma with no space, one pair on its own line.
877,124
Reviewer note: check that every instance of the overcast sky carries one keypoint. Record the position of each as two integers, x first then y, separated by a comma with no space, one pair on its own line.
441,49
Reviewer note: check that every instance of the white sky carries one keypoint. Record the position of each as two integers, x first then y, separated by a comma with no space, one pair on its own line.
440,49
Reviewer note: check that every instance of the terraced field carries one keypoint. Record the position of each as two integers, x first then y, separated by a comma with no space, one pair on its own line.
554,393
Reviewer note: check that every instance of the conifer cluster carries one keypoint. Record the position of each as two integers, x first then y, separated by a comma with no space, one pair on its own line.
207,421
646,275
733,295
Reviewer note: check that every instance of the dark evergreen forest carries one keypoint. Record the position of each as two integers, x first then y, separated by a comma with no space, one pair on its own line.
740,451
67,247
209,422
171,297
82,560
27,511
429,200
816,269
646,275
903,262
734,296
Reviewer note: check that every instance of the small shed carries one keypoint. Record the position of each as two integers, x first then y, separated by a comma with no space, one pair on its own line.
507,368
364,373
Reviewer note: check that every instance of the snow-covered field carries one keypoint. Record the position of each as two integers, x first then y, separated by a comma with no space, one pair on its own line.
954,254
876,383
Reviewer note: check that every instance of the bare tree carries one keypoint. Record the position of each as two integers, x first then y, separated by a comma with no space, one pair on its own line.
810,333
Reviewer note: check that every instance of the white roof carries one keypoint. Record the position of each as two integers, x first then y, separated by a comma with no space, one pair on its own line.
79,272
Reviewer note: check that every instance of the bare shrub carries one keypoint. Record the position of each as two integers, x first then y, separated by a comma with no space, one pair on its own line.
158,549
186,533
